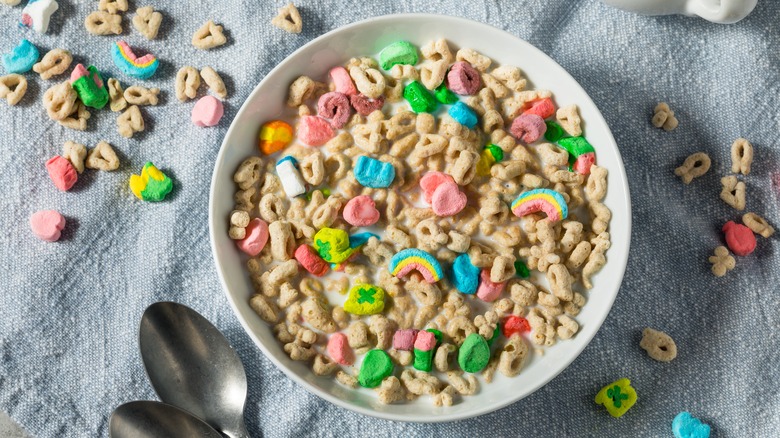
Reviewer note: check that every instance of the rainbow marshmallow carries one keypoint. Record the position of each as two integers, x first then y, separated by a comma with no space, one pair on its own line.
140,68
416,259
546,200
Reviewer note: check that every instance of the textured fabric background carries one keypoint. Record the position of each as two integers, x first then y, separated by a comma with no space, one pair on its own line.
70,311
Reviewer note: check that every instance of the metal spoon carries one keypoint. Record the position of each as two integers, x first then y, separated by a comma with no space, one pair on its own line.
192,366
151,419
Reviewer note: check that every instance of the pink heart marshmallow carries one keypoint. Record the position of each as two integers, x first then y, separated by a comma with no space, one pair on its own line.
361,211
448,200
47,225
256,237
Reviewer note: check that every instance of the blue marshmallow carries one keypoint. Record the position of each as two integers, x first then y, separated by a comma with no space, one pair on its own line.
463,114
21,59
373,173
360,239
465,276
685,425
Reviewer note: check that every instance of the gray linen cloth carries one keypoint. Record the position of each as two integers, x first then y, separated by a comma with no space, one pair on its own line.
70,311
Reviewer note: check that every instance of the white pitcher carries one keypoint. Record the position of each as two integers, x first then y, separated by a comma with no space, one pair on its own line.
718,11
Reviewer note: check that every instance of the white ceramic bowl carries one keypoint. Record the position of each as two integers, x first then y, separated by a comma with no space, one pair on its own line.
368,37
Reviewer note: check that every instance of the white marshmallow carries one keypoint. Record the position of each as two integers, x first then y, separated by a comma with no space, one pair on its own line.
292,181
39,13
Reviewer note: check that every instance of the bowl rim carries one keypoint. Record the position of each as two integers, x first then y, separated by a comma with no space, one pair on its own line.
443,417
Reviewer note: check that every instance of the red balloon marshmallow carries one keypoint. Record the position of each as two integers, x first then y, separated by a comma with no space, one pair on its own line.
739,238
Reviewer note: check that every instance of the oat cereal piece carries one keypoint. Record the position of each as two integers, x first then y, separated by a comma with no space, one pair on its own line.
512,358
248,173
137,95
302,89
13,88
733,192
431,76
323,366
419,383
130,122
444,397
464,386
288,19
663,117
75,153
102,157
187,83
560,282
265,308
658,345
117,100
399,72
510,76
694,166
474,58
282,240
437,50
54,62
370,82
113,6
567,327
569,119
60,100
391,391
103,23
77,119
596,259
758,224
459,328
346,379
214,82
741,156
208,36
147,22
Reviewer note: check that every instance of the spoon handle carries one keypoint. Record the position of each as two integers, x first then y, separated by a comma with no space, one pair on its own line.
240,433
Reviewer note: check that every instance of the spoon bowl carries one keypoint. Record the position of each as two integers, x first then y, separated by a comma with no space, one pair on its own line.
150,419
192,366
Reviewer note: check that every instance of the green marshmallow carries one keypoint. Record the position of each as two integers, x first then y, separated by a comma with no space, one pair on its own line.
496,152
423,360
554,131
521,269
332,244
399,52
365,299
444,95
474,354
91,89
419,98
375,367
576,146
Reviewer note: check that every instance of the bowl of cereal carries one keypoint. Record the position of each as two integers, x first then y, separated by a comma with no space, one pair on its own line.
408,216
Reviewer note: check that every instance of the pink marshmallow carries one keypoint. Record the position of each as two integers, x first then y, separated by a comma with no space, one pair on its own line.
463,79
62,173
314,131
528,128
334,106
489,291
339,349
207,111
584,163
430,181
343,81
543,108
361,211
47,225
365,105
311,260
403,340
448,200
425,341
79,71
256,237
